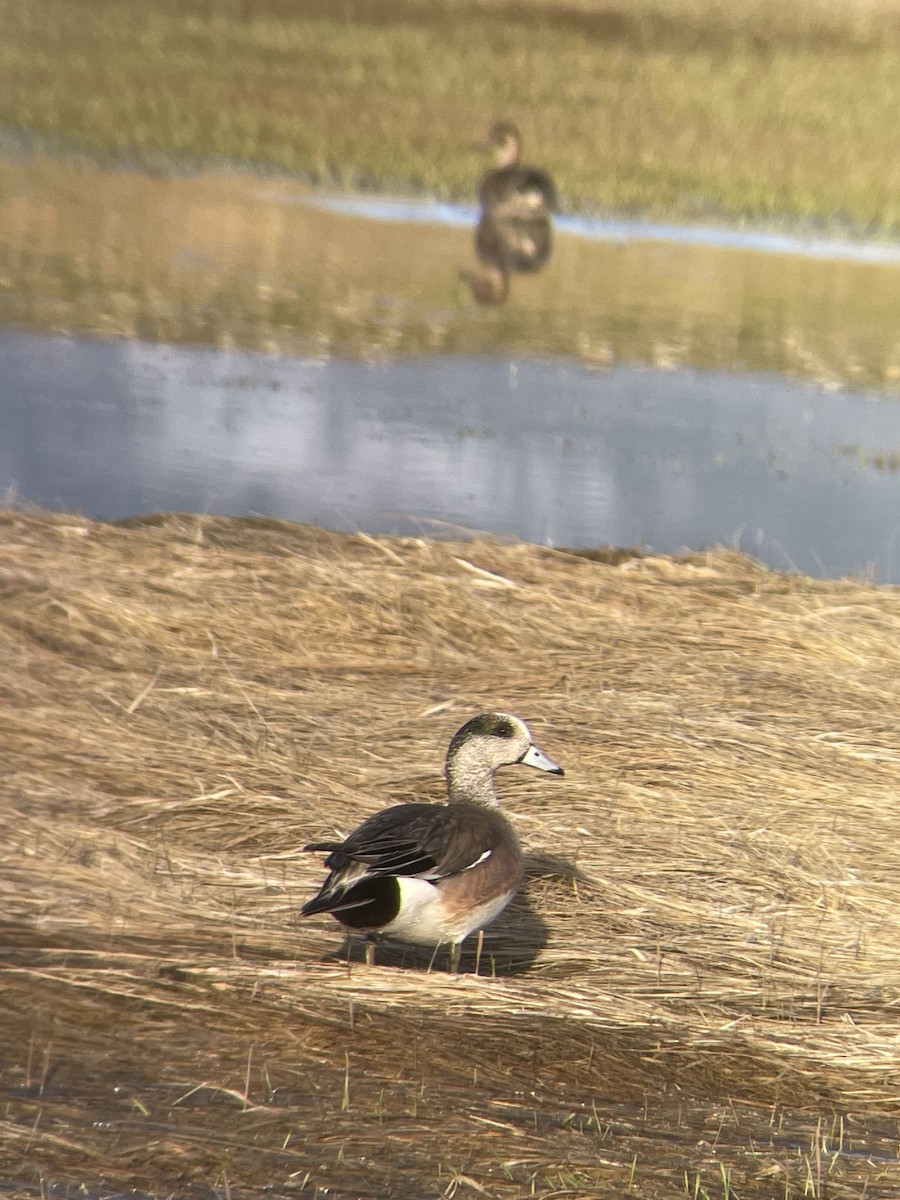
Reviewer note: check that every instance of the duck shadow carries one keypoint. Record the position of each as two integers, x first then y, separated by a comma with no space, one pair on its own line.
511,944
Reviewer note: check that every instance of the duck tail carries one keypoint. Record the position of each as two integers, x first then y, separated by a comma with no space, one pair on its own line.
324,902
338,897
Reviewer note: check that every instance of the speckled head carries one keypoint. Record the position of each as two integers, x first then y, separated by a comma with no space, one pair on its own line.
483,745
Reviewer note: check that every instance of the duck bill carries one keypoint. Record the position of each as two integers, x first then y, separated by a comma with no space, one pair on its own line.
533,757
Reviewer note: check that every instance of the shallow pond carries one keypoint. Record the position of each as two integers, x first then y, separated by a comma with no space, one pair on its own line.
551,453
644,388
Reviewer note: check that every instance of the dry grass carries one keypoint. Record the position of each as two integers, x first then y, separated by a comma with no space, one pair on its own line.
696,996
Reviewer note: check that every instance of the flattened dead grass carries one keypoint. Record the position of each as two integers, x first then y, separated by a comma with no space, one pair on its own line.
696,994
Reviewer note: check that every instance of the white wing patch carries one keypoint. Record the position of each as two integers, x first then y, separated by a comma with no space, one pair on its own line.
481,858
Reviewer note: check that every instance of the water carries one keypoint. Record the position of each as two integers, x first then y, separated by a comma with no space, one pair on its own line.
432,212
549,452
650,385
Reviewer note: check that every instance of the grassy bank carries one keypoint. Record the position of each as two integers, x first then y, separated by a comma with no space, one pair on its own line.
695,996
752,109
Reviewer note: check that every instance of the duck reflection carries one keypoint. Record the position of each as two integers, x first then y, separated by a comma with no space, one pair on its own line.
514,231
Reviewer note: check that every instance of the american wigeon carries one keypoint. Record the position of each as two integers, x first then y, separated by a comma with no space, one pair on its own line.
512,190
430,874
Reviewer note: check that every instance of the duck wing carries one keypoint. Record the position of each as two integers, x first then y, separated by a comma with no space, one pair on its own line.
517,191
428,841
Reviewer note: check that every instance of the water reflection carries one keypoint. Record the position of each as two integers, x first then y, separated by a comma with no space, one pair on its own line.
621,230
546,452
235,260
507,245
514,231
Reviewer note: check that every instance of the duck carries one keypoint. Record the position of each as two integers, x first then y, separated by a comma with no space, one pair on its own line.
511,190
432,874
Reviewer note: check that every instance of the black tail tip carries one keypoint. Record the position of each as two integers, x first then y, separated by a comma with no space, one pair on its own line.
316,905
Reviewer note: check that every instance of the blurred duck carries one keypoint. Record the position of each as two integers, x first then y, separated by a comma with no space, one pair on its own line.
514,232
430,874
512,190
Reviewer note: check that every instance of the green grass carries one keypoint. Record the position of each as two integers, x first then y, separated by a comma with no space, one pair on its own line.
689,108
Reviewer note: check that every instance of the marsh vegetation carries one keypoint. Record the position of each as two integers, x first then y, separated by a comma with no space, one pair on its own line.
696,993
755,109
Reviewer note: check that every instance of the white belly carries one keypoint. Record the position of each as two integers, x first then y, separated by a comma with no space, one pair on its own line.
424,921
